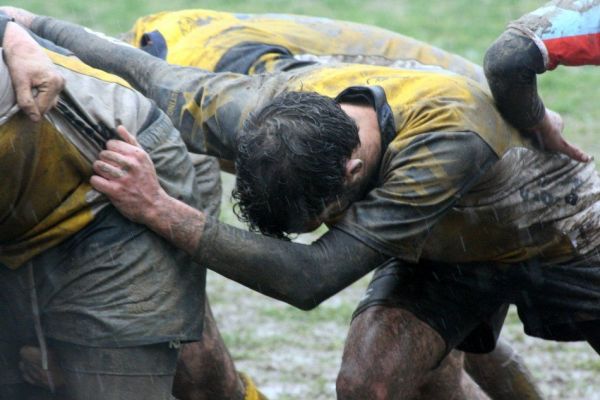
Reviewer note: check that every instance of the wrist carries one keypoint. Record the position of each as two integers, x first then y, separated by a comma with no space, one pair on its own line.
177,222
17,38
541,125
154,215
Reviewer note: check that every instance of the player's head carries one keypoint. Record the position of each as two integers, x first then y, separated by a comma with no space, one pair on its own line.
292,163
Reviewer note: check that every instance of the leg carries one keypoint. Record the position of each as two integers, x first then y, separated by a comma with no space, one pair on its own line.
502,374
205,369
450,381
390,353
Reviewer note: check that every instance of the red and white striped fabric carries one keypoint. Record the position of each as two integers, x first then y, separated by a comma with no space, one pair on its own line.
567,32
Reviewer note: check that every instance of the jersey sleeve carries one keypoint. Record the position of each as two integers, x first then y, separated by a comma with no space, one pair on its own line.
8,105
420,183
566,32
207,108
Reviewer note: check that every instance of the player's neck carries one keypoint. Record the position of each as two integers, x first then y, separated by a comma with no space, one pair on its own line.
368,131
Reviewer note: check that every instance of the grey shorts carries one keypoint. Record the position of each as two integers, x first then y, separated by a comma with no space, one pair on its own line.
143,372
466,304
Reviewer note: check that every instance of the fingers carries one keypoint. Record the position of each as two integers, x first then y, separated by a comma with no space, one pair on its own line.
35,101
126,136
574,152
108,171
116,159
123,147
26,101
104,186
47,93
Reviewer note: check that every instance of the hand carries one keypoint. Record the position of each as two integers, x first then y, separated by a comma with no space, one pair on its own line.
126,175
36,80
20,15
549,134
33,373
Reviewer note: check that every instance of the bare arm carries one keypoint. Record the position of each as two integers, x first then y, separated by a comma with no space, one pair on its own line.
511,65
557,33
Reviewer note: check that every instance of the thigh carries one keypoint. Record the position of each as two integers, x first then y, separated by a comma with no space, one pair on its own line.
144,372
502,374
205,369
388,354
450,381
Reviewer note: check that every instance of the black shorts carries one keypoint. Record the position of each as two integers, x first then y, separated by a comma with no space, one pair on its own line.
466,304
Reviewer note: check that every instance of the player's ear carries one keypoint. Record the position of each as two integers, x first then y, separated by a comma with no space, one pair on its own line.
354,167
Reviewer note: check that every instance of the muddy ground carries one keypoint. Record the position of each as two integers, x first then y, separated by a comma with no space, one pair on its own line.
293,354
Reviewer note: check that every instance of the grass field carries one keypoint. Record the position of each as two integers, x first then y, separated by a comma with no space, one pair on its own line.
293,354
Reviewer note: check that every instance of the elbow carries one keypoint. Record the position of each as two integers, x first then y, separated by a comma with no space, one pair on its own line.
512,58
496,62
308,304
308,299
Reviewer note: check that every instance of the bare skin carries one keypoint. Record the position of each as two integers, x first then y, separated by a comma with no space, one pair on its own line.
549,134
502,373
205,370
49,83
390,354
37,82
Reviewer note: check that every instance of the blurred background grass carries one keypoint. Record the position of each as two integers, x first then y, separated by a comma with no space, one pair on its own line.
295,355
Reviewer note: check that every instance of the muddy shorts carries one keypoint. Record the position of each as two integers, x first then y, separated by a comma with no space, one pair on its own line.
466,304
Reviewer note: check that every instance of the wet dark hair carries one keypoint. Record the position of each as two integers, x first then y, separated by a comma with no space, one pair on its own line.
290,161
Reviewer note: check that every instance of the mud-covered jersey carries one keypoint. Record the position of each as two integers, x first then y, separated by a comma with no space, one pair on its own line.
254,43
435,189
454,175
46,196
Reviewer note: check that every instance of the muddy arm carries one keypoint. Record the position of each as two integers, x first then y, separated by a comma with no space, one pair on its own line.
511,65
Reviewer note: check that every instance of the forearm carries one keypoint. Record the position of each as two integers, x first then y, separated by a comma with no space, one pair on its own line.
301,275
203,106
511,65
